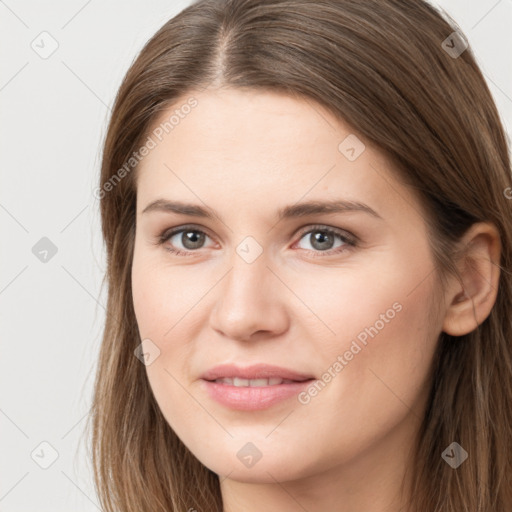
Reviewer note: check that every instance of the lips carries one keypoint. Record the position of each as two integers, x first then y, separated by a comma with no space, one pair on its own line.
253,388
250,375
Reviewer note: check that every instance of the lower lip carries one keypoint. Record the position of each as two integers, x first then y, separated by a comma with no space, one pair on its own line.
253,398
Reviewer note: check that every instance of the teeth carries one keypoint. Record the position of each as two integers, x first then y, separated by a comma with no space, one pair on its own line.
236,381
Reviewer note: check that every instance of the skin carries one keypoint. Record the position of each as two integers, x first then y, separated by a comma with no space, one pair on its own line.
245,154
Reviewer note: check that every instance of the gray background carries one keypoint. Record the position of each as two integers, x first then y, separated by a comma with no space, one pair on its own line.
54,114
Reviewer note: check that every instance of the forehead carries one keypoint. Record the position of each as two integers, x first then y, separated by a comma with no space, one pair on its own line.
246,126
259,148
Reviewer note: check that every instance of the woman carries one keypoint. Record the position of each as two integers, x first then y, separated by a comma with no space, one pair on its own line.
306,209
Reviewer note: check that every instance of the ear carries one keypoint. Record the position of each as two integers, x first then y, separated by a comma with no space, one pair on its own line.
469,302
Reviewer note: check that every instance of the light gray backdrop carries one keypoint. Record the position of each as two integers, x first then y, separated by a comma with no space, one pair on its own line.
61,65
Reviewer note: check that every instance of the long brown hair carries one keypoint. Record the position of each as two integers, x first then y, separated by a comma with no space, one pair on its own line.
384,67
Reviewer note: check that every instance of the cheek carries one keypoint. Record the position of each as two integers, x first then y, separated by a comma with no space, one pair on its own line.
163,300
163,295
374,370
169,304
386,341
383,304
162,304
376,353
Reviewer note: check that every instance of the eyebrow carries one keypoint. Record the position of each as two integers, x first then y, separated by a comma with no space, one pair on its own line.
288,212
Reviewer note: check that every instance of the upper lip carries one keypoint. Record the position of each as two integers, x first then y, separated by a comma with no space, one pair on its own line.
256,371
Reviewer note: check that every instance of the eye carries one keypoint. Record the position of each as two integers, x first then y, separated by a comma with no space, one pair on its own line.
190,237
321,239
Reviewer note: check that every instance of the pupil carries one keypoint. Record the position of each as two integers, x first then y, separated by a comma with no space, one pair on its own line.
321,239
192,239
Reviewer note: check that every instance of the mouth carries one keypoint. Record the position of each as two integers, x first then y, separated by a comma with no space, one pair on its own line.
255,387
253,394
255,383
255,375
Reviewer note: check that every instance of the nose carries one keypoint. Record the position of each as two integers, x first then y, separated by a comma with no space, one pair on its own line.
250,301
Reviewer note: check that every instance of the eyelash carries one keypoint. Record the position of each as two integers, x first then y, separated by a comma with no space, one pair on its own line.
349,240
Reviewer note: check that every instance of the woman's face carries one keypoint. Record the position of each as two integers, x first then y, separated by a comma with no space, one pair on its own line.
342,296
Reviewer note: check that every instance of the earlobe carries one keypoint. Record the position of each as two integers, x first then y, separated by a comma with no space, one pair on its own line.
471,299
